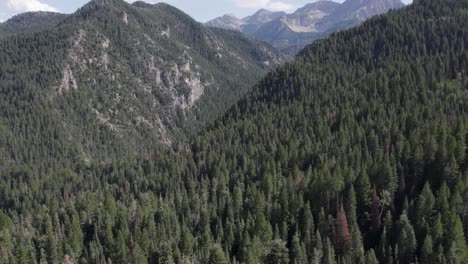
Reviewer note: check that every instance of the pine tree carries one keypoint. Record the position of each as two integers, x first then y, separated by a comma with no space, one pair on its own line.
122,249
375,211
442,201
437,230
406,240
186,242
382,248
350,205
343,237
279,253
51,242
217,256
307,228
138,256
358,253
363,196
166,255
317,253
439,255
426,250
256,251
21,254
455,239
425,204
75,236
371,258
328,253
6,245
297,255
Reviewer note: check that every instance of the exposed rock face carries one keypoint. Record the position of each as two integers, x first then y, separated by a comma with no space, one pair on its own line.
68,80
357,11
125,18
226,22
291,32
153,70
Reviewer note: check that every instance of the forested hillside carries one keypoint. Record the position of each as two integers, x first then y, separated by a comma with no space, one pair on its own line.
354,153
114,80
30,22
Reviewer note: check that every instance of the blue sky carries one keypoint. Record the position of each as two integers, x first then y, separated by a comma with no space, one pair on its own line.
201,10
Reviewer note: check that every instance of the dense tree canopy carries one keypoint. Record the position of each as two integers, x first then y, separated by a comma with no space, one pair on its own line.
354,153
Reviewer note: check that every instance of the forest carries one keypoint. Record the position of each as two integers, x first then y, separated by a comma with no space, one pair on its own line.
355,152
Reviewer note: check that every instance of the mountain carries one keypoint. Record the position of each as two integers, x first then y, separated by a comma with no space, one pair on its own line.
120,78
305,18
226,22
352,12
262,16
30,22
248,24
292,32
355,152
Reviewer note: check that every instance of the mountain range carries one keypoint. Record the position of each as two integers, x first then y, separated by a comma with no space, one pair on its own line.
292,32
139,72
129,133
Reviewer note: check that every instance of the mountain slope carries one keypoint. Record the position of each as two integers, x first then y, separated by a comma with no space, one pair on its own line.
226,22
30,22
121,78
353,12
291,32
354,153
360,141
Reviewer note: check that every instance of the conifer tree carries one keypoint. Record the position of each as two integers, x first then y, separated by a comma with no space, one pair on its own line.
279,253
375,211
217,256
328,252
297,255
406,240
427,250
371,258
343,237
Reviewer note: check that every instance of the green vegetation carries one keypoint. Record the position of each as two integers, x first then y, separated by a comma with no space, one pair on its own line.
115,80
354,153
30,22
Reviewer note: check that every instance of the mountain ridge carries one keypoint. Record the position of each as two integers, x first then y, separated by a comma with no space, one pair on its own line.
146,74
30,22
291,32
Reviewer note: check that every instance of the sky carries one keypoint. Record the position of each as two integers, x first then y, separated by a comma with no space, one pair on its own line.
201,10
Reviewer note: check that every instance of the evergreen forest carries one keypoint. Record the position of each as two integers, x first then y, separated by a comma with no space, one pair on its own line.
355,152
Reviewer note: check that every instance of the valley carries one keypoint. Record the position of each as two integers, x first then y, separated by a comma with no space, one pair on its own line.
130,133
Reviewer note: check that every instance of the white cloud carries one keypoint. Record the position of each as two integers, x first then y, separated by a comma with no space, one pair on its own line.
280,6
3,16
19,6
268,4
251,3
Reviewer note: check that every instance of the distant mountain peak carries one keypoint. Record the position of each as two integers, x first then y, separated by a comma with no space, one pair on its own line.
322,5
104,3
141,4
227,21
263,16
230,15
308,23
263,11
